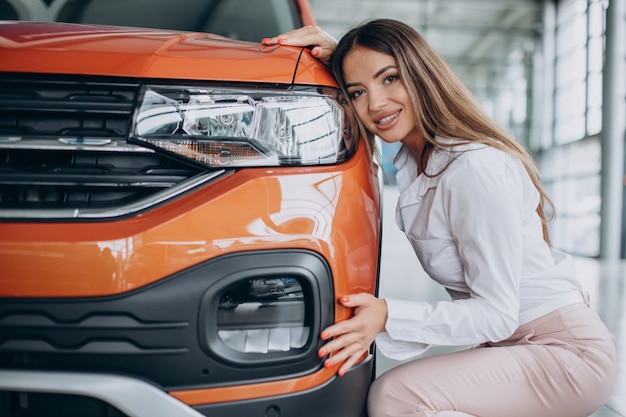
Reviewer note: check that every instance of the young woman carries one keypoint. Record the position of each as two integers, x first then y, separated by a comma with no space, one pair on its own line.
472,205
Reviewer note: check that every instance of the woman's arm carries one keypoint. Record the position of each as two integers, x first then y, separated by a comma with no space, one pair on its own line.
323,45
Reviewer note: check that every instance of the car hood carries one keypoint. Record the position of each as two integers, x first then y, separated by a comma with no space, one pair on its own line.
63,48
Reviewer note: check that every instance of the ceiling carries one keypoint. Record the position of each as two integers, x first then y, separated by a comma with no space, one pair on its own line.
470,34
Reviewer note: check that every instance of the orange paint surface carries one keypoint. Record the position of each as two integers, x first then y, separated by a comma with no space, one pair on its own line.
331,210
98,50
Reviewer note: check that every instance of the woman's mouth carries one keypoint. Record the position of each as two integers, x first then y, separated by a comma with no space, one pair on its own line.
387,119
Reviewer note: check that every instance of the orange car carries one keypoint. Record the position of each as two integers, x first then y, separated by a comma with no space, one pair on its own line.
179,212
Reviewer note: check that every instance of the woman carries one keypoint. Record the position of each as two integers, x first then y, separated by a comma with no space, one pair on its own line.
472,206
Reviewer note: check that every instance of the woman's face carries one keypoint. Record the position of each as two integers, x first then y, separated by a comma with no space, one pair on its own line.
381,101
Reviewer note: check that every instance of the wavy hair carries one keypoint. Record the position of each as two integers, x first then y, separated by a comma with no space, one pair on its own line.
444,106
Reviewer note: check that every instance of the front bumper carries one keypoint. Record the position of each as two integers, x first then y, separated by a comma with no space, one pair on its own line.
340,397
156,351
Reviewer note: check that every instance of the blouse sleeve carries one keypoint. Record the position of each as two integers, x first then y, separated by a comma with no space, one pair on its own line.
483,204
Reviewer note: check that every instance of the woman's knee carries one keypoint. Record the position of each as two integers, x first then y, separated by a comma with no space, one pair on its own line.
376,398
391,395
382,400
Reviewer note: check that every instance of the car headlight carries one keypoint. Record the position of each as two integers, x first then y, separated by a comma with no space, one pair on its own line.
234,127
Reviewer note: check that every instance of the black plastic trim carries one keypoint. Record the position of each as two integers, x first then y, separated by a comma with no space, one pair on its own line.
155,332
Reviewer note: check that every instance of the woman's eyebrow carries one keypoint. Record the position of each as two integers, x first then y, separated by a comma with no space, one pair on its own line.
382,70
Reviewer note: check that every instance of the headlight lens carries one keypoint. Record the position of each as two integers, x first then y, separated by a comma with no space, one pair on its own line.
230,127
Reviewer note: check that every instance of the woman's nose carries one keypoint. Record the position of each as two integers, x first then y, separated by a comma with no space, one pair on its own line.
377,99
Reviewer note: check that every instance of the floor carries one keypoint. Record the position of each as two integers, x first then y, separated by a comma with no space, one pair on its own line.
605,282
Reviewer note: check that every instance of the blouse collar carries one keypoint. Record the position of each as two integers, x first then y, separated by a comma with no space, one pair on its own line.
406,176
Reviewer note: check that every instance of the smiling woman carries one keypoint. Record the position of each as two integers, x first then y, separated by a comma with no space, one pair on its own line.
472,206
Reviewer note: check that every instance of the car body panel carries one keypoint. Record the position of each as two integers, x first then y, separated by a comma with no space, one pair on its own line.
109,296
330,210
109,51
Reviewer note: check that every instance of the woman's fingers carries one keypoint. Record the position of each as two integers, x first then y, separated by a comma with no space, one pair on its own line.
304,36
348,356
344,347
323,45
350,339
348,363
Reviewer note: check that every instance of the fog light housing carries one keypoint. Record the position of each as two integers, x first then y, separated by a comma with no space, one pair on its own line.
268,313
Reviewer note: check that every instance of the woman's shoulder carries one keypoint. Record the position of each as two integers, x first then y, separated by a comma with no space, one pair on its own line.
454,155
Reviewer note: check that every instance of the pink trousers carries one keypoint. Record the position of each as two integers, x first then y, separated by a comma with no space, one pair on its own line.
559,365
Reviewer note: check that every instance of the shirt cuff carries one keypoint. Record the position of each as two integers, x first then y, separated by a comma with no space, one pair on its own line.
399,350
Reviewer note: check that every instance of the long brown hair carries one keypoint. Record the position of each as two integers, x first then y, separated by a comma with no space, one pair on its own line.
443,105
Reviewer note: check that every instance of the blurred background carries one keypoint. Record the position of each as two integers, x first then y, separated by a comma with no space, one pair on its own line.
552,73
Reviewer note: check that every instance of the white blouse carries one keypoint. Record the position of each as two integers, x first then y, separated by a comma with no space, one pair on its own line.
475,230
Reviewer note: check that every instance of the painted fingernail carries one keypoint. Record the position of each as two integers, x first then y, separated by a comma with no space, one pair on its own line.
265,40
322,353
315,52
282,40
345,299
328,363
325,335
341,372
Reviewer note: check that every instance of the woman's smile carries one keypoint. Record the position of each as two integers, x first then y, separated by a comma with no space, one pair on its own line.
386,119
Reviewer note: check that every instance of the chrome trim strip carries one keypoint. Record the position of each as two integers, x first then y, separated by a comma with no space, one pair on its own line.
133,397
95,214
58,144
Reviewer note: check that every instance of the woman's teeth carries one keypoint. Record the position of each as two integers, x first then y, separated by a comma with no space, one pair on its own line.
388,118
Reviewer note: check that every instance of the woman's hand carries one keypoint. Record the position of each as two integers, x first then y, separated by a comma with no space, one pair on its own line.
353,337
323,45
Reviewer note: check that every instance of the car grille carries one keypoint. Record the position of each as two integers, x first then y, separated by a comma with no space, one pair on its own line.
64,152
58,107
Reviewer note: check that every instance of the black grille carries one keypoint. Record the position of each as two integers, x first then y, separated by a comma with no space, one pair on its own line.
64,151
36,179
37,106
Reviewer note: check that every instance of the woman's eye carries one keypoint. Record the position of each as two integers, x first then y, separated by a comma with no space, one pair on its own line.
390,78
355,94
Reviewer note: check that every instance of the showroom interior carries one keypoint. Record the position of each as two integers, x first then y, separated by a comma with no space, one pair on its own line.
551,72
